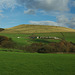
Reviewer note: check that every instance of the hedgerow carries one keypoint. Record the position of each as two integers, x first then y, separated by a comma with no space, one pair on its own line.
62,46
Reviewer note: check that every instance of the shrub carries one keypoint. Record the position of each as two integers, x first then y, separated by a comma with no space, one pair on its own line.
33,47
62,46
3,38
72,48
7,44
42,50
1,29
46,49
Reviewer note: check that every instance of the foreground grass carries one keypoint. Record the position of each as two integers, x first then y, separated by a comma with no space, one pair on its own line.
10,50
36,64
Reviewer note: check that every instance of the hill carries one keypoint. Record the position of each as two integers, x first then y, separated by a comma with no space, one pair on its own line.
36,29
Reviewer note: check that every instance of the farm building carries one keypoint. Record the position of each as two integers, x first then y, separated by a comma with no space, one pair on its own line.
40,37
47,37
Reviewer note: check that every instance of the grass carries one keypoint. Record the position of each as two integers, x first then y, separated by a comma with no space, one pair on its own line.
13,63
36,64
37,29
10,50
24,31
25,40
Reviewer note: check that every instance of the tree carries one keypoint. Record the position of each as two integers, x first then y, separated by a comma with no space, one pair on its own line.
1,29
3,38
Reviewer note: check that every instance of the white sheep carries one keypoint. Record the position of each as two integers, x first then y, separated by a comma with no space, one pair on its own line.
18,37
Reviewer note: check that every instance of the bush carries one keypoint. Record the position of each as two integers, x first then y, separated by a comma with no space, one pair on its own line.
1,29
62,46
7,44
72,48
3,38
42,50
33,47
46,49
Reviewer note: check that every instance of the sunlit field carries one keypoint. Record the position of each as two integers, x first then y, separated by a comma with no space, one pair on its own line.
25,40
12,63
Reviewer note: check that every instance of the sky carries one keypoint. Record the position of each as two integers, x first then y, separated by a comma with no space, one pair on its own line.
41,12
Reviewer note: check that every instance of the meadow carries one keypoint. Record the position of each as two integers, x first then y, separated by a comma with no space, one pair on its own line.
16,62
25,40
13,63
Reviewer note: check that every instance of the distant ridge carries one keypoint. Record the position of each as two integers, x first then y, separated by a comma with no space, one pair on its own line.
24,28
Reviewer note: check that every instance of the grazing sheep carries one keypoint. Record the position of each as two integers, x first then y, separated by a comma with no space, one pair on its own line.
18,37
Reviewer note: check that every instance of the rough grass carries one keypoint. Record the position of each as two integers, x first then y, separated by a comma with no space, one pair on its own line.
37,29
10,50
36,64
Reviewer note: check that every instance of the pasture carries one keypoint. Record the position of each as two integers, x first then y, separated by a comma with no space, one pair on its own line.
26,28
36,64
25,40
13,63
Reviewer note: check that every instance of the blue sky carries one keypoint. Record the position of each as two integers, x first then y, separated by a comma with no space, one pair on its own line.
41,12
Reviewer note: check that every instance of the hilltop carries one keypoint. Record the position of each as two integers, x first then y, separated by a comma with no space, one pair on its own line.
36,29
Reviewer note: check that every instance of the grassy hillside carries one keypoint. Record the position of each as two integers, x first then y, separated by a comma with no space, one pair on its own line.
36,29
36,64
25,40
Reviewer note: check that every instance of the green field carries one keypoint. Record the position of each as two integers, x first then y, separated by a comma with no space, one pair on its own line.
25,40
24,31
36,64
13,63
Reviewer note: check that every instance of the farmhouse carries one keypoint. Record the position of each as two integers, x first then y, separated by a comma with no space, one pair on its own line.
40,37
47,37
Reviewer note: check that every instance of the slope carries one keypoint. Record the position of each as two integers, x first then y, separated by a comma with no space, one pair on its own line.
36,29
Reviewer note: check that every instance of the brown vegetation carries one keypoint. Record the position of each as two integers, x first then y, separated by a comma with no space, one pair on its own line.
1,29
37,29
6,42
62,46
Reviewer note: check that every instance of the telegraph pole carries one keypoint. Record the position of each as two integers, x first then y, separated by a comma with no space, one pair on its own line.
63,38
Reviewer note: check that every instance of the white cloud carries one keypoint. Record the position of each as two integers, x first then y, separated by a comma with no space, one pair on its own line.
72,23
4,4
73,3
52,7
32,5
44,23
66,21
30,11
61,21
47,5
